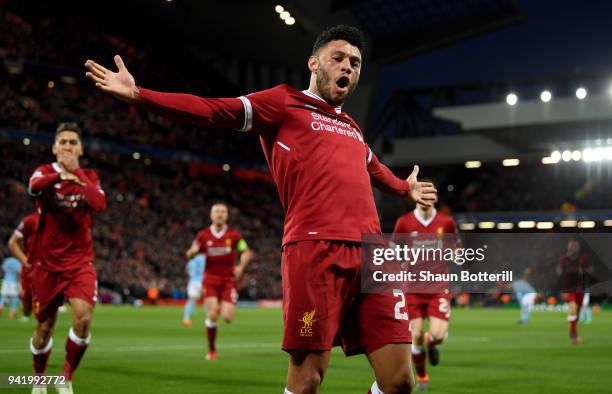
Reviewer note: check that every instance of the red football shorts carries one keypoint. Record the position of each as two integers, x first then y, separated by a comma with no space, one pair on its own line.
428,305
50,288
323,306
221,287
26,288
576,297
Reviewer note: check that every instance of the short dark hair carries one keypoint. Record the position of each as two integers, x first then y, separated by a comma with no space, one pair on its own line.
220,202
68,126
351,34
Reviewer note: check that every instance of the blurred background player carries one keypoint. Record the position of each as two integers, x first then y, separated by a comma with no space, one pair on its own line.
9,295
195,271
434,306
220,243
62,258
525,295
20,245
574,270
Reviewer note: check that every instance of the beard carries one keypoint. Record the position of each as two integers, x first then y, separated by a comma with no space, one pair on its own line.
325,85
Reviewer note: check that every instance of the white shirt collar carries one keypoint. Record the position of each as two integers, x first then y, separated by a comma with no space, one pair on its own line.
422,220
219,234
311,94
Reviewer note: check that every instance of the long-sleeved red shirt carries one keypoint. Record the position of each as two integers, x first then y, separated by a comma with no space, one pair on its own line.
63,238
316,153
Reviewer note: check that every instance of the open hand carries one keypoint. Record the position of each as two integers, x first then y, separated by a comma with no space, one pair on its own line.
423,193
120,84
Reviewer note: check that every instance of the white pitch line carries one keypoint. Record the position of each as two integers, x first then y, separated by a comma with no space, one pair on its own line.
128,349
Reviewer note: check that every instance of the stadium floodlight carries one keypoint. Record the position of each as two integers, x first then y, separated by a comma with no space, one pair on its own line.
279,8
608,153
599,154
467,226
505,226
486,225
586,224
576,155
566,155
473,164
581,93
290,21
511,162
284,15
588,154
545,225
511,99
568,223
549,160
136,155
26,141
546,96
526,224
556,156
607,222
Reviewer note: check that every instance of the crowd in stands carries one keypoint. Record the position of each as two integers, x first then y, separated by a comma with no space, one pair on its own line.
154,212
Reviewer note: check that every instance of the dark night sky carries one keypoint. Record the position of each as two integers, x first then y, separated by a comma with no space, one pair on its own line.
556,37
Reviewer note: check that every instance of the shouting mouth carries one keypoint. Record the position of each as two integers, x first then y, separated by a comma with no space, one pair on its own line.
343,82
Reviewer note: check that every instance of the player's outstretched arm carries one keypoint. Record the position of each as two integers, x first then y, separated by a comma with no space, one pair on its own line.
120,84
213,112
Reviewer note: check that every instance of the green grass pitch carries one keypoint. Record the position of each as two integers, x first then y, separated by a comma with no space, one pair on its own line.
147,350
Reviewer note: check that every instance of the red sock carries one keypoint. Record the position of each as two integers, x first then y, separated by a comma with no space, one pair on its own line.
75,349
40,357
419,364
573,328
211,333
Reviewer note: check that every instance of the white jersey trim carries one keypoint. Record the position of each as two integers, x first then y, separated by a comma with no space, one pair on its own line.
248,114
422,220
369,160
56,167
219,234
18,233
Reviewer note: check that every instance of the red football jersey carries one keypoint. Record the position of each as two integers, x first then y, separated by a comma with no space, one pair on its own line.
316,153
27,229
63,239
413,223
575,272
220,250
318,158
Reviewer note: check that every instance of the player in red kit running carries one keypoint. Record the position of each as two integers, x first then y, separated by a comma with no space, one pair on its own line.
24,232
219,243
62,258
574,271
324,172
434,306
